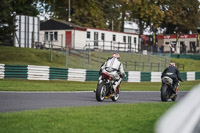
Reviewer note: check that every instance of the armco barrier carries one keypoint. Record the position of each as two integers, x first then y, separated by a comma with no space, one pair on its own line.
16,71
197,75
76,74
58,74
32,72
38,72
134,76
156,76
145,76
2,69
183,75
92,75
127,76
190,76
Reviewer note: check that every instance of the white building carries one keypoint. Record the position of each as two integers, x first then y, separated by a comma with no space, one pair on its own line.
63,34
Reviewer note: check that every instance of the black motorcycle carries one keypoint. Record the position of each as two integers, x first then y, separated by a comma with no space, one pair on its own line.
105,88
167,89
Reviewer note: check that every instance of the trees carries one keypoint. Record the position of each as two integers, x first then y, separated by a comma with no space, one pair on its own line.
181,14
7,16
7,27
111,14
107,14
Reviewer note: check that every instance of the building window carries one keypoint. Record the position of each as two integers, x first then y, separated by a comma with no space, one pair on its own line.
166,43
102,36
51,36
135,41
129,39
88,34
124,39
46,36
55,36
114,37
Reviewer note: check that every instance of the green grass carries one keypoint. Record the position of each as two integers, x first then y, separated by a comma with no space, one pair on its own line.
118,118
189,64
54,85
27,56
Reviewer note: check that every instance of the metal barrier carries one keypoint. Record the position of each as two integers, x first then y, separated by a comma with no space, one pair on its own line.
184,117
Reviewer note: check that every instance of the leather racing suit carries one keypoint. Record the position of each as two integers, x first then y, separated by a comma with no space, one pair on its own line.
115,69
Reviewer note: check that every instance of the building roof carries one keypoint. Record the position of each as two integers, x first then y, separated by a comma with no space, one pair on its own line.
56,25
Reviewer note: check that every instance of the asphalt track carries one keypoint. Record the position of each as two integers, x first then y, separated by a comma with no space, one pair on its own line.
18,101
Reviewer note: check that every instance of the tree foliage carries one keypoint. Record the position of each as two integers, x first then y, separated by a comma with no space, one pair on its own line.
173,15
6,22
10,8
111,14
181,14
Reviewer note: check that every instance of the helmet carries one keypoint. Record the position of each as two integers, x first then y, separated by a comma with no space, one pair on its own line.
171,64
116,55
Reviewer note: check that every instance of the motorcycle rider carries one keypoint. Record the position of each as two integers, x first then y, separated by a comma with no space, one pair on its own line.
114,68
173,73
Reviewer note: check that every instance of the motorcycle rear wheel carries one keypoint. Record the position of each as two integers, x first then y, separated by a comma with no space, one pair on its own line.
164,93
101,92
116,96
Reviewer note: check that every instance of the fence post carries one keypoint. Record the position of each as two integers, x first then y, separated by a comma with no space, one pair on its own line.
66,56
135,65
118,46
124,47
143,67
32,39
126,65
103,44
51,52
62,42
89,56
111,45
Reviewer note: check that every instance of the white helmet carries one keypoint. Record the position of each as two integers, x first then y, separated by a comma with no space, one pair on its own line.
171,64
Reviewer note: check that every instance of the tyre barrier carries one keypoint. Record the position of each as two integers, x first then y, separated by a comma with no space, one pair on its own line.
33,72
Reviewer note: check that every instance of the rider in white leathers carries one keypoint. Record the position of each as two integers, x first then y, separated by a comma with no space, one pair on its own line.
114,68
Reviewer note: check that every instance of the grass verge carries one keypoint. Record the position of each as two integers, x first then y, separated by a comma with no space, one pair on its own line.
118,118
53,85
28,56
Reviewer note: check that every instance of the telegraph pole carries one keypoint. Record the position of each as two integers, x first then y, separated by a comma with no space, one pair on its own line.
69,13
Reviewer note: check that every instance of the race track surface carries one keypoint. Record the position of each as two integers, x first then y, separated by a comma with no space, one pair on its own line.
18,101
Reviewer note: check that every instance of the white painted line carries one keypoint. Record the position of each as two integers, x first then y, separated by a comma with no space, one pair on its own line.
76,91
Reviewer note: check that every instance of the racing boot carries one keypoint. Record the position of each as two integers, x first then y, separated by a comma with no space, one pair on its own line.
116,85
173,92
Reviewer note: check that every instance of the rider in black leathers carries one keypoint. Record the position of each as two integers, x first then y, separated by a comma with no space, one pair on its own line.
173,73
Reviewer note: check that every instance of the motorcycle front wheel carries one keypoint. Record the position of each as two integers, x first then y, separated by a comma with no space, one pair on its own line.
164,93
101,92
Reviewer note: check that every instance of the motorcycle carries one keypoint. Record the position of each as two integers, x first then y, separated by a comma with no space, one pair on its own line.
167,89
105,88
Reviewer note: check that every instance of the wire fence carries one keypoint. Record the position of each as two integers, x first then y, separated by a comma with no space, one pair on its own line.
93,59
94,53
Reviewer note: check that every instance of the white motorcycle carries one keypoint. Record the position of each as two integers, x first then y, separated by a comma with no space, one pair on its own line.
105,88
